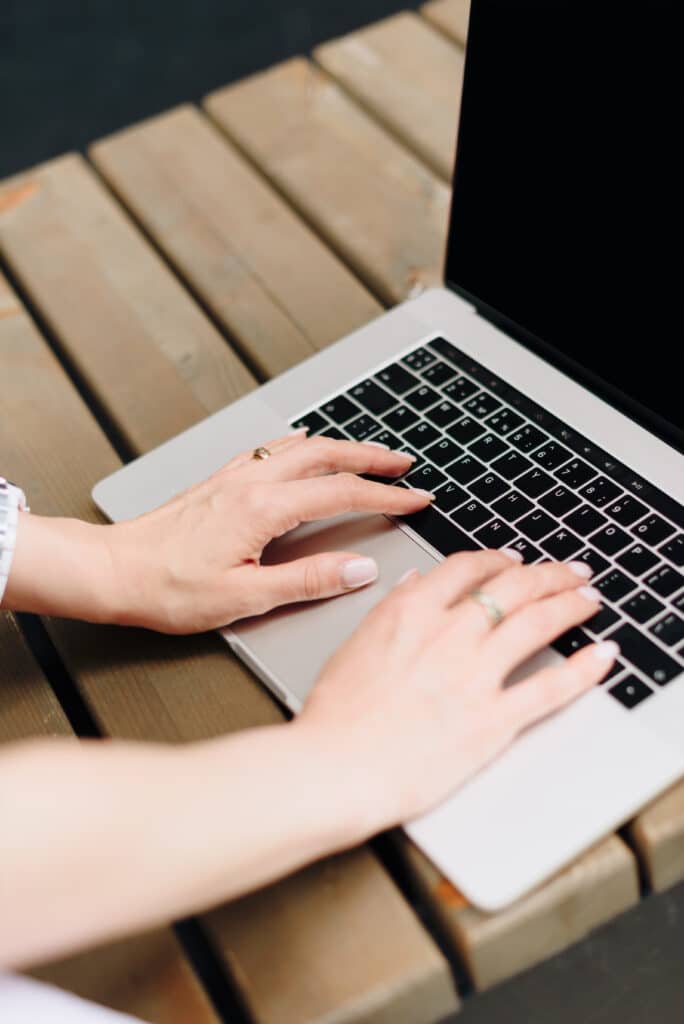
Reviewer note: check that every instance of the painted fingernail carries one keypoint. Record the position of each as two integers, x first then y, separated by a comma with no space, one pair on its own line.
407,455
299,430
581,569
377,444
515,556
591,593
422,493
358,572
411,574
608,650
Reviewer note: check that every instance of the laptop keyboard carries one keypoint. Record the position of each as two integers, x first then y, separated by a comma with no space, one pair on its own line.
507,473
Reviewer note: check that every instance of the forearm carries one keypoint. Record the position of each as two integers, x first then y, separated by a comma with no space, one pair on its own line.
101,839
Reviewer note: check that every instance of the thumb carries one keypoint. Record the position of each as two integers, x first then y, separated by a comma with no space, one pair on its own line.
317,576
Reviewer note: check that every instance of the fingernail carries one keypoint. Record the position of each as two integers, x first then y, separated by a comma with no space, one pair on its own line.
608,650
299,430
407,455
515,556
407,576
358,572
591,594
422,493
581,569
377,444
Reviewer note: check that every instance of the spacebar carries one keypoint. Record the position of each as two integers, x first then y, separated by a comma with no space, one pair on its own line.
438,531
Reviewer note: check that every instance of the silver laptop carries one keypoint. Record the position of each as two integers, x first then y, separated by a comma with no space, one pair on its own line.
541,389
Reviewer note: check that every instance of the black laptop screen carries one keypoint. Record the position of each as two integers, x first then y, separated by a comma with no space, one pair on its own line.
566,220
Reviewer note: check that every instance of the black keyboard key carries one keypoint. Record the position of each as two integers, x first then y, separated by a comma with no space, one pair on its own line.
669,630
443,452
438,373
630,691
626,510
340,409
440,532
614,585
421,435
652,530
418,457
466,469
447,350
617,669
527,438
535,483
362,427
450,496
600,491
637,560
397,378
665,580
575,473
642,607
466,430
552,455
488,447
313,420
443,414
562,545
400,419
496,534
585,520
559,501
471,515
528,551
537,525
489,487
645,655
388,438
679,603
512,506
372,397
597,562
572,641
460,389
611,539
335,433
511,465
422,398
604,619
482,405
426,477
419,359
673,549
504,422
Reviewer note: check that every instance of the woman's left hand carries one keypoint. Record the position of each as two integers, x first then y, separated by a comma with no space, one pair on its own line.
194,564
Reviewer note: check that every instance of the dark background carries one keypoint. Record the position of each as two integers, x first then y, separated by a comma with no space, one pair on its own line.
72,71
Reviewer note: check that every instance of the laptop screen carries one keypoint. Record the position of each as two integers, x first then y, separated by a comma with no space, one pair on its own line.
566,222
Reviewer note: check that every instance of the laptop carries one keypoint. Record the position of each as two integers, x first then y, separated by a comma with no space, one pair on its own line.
541,389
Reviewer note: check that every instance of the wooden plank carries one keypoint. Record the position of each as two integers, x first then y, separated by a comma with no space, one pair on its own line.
451,16
28,706
116,310
594,889
372,201
263,273
409,77
658,837
181,689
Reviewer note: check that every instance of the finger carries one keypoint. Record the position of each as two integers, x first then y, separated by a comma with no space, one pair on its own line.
552,688
461,573
319,456
312,578
537,625
275,446
518,587
301,501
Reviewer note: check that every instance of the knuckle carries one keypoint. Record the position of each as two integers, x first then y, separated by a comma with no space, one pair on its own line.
312,581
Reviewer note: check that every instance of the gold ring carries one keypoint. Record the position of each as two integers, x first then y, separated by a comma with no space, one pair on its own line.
261,453
489,604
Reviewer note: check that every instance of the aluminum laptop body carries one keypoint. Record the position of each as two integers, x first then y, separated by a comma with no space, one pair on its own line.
555,319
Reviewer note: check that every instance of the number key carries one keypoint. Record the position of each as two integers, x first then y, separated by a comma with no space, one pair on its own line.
626,510
551,455
652,529
600,491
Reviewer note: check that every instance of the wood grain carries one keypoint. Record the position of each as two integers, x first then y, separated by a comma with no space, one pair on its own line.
658,837
594,889
409,77
28,706
114,307
263,273
371,200
451,16
144,686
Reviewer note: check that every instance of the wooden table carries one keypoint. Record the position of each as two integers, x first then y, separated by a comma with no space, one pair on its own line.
182,262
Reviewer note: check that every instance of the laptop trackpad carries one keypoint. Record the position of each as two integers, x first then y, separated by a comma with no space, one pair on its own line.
291,645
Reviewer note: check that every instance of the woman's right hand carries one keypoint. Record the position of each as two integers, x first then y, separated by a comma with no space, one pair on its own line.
415,701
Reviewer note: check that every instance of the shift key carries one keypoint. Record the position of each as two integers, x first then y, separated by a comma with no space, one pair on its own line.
645,655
